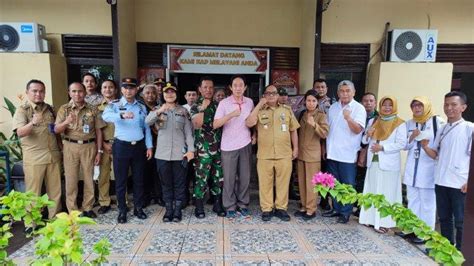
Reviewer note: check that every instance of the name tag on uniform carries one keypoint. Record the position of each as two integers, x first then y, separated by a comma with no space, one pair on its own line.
86,129
122,108
284,127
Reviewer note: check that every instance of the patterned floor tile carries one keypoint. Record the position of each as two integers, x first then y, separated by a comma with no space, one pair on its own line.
28,250
262,241
334,262
402,247
91,235
288,262
251,263
200,241
124,240
168,241
145,262
196,263
341,241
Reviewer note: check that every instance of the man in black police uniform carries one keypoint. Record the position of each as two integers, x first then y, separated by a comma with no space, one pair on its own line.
131,144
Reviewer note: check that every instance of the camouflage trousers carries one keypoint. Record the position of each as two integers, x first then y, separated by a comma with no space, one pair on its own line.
207,166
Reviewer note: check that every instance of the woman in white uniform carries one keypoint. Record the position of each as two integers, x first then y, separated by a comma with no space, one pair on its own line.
419,169
386,138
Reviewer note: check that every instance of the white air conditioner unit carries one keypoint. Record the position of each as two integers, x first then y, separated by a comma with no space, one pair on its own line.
23,37
412,45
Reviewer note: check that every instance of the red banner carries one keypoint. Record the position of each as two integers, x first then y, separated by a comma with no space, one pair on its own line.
288,79
149,74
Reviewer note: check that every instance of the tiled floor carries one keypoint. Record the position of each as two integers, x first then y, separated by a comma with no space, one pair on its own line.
242,241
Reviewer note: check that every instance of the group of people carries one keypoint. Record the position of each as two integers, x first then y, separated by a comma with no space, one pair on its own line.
208,143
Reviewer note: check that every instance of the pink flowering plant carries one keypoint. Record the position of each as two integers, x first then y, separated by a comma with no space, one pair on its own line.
441,250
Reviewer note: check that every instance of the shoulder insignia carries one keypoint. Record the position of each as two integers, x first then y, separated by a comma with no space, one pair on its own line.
115,101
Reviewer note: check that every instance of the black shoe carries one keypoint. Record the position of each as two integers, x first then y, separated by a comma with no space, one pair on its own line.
90,214
331,213
343,219
168,216
405,235
266,216
140,214
177,214
299,213
308,217
282,214
218,208
199,210
122,217
417,241
103,209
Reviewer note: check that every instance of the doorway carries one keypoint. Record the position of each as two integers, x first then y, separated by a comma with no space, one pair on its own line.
190,81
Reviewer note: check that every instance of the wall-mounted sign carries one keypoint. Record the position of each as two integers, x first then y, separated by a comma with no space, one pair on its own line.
217,60
288,79
149,74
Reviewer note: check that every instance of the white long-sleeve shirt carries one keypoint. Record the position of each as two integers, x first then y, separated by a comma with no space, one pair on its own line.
426,165
389,158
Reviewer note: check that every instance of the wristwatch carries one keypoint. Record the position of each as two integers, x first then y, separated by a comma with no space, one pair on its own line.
100,151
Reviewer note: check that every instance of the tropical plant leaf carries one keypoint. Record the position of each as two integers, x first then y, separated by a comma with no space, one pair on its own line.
10,106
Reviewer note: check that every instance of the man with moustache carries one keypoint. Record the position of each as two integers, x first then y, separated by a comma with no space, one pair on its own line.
80,125
33,122
346,120
208,153
277,146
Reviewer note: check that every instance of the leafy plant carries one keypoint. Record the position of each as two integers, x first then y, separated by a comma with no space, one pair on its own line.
61,242
441,250
18,206
9,144
58,243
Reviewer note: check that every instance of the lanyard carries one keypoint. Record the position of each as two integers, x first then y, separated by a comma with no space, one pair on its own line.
417,154
447,132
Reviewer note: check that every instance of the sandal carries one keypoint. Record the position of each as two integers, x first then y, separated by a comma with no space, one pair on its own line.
381,230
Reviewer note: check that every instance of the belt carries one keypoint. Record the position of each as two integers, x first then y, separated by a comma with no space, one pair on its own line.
80,141
109,141
128,142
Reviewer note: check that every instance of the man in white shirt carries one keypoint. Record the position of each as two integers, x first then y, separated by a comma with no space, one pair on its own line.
191,97
452,148
346,120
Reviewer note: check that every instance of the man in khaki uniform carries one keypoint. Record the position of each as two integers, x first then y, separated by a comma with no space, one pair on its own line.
277,146
34,123
80,125
109,92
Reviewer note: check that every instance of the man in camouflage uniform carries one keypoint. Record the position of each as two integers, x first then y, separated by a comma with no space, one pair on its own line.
208,154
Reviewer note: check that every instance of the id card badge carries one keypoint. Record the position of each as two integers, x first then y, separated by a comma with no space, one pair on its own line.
86,129
284,127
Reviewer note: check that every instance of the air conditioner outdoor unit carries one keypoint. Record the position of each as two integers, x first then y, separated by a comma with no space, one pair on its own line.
412,45
23,37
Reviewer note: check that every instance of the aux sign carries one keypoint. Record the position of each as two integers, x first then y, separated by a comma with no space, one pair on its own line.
430,51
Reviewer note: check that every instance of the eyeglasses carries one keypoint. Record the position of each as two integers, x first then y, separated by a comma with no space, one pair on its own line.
270,93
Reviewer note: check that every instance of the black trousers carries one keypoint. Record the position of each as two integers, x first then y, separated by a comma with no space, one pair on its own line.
125,156
173,180
152,181
450,204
